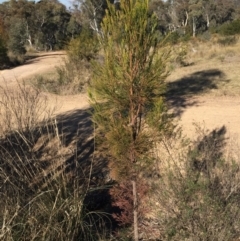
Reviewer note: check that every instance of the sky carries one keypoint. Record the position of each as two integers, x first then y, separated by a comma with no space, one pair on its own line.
67,3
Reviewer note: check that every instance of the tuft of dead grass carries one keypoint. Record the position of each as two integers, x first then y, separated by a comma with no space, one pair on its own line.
45,192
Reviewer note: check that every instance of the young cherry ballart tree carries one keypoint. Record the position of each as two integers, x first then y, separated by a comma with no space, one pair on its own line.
127,91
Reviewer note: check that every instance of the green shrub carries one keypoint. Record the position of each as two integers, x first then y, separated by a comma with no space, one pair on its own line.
173,38
15,59
231,28
177,37
3,54
84,47
74,74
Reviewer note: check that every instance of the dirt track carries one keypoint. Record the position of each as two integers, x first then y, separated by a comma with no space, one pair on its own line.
209,112
45,62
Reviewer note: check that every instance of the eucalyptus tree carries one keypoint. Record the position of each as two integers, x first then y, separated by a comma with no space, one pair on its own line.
17,37
22,10
91,13
224,11
45,22
51,23
160,8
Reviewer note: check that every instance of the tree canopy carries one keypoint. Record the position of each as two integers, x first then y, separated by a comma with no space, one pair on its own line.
42,24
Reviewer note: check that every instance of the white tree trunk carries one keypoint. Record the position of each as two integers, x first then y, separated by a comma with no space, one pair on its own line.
194,28
186,20
208,22
29,40
185,23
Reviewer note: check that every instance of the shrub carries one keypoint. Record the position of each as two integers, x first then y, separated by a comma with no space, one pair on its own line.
73,77
84,47
15,59
199,196
177,37
74,74
173,38
205,36
3,54
231,28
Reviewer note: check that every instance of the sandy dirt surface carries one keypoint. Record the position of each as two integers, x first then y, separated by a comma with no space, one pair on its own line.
212,113
207,111
45,62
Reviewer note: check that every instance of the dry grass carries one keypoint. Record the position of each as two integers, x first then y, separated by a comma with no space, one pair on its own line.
46,172
22,108
211,55
68,79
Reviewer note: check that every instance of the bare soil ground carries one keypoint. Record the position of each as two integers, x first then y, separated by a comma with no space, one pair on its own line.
212,113
194,94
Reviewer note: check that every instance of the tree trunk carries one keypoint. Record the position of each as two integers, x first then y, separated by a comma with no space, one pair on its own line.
186,20
194,28
208,22
185,23
135,212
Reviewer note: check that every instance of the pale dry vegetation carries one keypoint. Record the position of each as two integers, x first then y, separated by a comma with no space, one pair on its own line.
46,171
195,189
211,55
68,79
